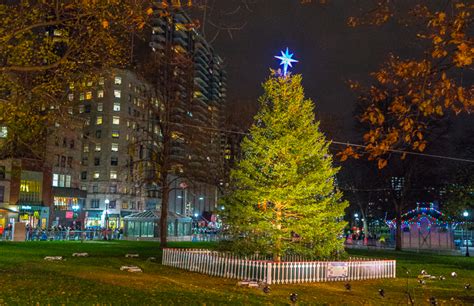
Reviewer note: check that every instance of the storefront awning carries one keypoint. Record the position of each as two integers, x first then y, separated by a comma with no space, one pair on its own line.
8,210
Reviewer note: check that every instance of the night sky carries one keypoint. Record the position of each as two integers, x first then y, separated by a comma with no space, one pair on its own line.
329,52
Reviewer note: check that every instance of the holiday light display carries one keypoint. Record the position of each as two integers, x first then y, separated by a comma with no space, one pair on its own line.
286,60
430,214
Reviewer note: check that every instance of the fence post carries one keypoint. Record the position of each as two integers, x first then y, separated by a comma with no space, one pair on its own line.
269,273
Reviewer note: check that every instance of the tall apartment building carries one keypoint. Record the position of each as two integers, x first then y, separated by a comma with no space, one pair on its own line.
113,109
198,112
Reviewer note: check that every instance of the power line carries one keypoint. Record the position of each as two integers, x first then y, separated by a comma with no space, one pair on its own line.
338,143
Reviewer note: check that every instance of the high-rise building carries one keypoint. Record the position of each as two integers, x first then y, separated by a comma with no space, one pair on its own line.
198,112
113,110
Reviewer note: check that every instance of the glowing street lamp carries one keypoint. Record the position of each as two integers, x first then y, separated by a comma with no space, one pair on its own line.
465,215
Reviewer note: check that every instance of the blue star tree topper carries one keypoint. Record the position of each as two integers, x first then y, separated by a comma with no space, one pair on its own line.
286,60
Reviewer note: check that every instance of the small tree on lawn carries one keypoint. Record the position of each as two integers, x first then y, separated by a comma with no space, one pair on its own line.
284,199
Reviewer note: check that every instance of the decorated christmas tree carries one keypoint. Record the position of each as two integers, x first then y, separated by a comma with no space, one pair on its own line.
284,199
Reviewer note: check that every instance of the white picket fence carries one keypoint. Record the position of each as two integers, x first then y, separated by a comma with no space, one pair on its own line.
231,266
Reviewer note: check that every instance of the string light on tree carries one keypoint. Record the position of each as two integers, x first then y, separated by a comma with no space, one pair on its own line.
286,60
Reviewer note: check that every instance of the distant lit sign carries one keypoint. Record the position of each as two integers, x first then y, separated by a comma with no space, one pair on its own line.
75,207
69,214
25,207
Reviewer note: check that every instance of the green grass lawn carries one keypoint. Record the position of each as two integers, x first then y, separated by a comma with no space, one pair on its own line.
25,278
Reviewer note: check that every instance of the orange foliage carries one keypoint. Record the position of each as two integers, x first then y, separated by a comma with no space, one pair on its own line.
409,94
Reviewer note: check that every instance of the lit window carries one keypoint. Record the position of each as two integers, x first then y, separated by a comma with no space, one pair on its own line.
89,83
97,147
69,110
96,175
98,120
67,182
117,93
118,80
113,175
116,107
87,122
3,132
115,134
85,149
88,95
114,147
61,180
55,180
30,191
101,81
116,120
81,96
100,94
71,85
70,96
100,107
81,109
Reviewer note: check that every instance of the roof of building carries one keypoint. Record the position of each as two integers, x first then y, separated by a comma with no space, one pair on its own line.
154,215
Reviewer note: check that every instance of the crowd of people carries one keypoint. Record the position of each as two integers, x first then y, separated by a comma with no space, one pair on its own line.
7,232
61,232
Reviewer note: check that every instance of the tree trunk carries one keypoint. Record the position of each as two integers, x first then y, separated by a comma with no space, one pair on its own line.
164,215
278,246
364,223
366,228
398,230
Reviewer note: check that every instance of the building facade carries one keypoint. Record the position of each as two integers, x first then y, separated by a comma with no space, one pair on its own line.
197,114
91,176
64,145
112,109
25,192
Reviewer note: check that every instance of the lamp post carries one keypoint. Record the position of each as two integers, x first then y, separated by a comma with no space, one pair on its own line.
465,215
356,218
107,201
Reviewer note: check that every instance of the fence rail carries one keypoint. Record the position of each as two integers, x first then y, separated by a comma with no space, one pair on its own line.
50,235
231,266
